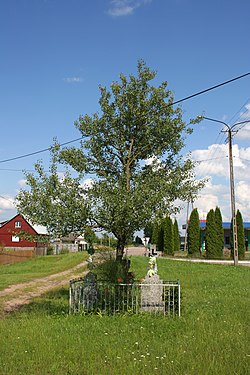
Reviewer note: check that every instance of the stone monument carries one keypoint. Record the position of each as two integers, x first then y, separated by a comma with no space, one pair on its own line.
152,289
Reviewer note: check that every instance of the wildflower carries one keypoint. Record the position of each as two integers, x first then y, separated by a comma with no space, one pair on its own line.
120,280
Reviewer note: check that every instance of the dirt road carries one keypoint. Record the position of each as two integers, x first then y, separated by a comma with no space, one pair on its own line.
18,295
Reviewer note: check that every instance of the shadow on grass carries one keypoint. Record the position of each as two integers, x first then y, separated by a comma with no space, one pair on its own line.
52,303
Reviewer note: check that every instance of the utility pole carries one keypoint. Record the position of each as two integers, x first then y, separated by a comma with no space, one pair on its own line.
229,132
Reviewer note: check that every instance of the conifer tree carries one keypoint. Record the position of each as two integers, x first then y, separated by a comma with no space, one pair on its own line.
219,240
240,235
177,242
210,235
160,238
155,231
193,238
168,236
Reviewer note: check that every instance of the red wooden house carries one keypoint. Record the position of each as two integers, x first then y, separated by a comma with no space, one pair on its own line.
9,234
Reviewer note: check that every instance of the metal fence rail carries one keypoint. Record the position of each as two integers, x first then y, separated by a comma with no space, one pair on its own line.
134,298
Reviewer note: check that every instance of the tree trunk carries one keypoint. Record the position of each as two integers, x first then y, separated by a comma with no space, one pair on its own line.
120,249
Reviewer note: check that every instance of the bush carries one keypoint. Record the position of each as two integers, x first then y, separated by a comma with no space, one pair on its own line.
111,270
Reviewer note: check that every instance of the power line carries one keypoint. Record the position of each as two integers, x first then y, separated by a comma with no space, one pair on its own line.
203,160
169,104
24,170
38,152
1,196
209,89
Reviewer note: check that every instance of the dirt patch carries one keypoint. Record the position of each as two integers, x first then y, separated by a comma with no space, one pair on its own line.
22,294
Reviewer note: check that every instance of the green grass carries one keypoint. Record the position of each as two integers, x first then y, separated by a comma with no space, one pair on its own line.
211,337
38,267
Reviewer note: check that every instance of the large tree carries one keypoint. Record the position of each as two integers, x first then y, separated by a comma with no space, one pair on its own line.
132,148
137,124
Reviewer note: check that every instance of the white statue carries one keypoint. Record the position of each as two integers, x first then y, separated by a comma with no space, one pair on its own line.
152,266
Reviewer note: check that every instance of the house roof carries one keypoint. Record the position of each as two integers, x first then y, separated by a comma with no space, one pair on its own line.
225,225
39,229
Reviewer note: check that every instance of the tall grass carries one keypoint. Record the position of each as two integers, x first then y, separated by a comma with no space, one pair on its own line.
211,337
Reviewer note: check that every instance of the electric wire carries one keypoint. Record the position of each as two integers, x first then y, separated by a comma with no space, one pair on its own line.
38,152
169,104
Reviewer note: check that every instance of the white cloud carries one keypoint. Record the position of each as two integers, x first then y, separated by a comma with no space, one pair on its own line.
22,182
214,161
73,79
87,183
6,203
125,7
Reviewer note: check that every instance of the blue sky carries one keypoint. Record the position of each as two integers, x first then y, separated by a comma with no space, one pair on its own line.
55,53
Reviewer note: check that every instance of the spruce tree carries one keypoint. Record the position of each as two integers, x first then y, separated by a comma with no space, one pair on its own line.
154,238
219,240
177,242
210,235
193,238
240,235
160,238
168,236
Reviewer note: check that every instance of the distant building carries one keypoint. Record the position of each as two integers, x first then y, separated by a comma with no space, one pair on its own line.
226,228
10,239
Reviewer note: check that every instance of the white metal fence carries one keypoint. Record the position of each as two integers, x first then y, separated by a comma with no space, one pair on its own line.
109,299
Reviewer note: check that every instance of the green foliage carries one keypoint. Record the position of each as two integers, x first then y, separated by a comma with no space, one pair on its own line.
148,231
240,235
219,234
53,201
155,231
210,235
89,235
168,236
177,240
110,270
136,123
138,240
193,237
160,238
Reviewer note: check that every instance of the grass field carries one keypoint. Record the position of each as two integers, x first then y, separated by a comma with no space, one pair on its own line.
211,337
38,267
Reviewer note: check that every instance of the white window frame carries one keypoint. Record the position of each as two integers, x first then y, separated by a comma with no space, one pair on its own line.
15,238
18,224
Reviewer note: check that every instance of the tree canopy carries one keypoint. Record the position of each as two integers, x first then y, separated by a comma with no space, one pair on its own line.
53,200
132,149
